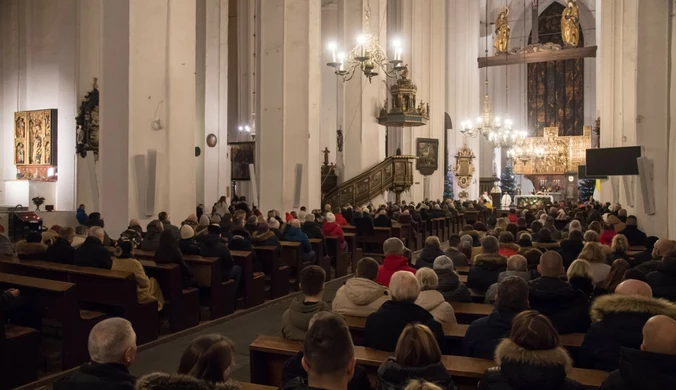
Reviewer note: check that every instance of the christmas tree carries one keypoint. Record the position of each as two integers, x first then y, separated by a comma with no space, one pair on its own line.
508,180
586,189
448,183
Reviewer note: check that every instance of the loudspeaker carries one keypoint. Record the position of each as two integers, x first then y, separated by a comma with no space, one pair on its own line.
298,182
628,190
151,182
647,181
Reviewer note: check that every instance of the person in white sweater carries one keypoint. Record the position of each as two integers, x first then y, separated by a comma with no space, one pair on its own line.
361,295
431,299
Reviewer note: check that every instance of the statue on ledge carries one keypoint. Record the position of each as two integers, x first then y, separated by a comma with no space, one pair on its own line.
502,32
570,24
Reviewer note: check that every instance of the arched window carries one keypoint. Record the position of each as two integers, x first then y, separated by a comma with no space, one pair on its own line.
555,88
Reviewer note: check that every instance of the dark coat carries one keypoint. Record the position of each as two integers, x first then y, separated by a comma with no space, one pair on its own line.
383,327
213,246
382,221
394,376
570,250
458,258
586,285
312,230
451,288
295,234
485,270
566,306
173,229
60,252
238,231
618,322
294,374
484,334
175,256
30,250
641,370
663,282
95,376
643,257
189,246
92,253
522,369
161,381
634,236
427,256
267,238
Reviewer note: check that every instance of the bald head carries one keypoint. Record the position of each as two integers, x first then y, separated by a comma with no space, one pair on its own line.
634,287
661,246
551,264
659,335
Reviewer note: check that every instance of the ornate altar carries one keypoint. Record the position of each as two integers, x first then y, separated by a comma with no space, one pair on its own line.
87,120
35,145
405,111
529,201
427,151
551,154
464,169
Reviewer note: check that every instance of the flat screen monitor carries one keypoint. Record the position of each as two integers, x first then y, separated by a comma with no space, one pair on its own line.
612,161
582,173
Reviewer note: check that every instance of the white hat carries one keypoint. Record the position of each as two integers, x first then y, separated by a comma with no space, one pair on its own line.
330,217
187,232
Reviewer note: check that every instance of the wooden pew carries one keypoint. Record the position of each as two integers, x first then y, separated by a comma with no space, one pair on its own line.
462,278
254,386
57,301
219,296
340,258
19,351
351,239
267,355
325,264
252,283
465,312
292,254
276,271
462,269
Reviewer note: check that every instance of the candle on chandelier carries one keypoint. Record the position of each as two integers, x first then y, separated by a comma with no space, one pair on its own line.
341,59
332,47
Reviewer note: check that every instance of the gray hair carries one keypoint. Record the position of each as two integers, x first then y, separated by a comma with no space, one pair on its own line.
466,241
490,245
433,240
393,245
591,236
404,286
294,223
574,225
96,231
517,263
309,217
109,339
443,262
427,278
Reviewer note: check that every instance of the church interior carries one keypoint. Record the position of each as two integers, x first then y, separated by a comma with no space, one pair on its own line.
273,172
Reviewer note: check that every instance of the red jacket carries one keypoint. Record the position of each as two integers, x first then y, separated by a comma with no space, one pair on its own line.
606,238
333,229
392,264
340,220
512,218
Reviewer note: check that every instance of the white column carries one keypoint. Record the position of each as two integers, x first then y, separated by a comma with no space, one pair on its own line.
329,123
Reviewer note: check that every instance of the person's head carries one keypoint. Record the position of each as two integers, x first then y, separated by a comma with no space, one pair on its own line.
214,230
252,220
635,274
592,252
167,240
124,249
521,222
453,241
659,335
155,227
367,268
536,226
632,220
490,245
97,231
575,235
621,213
533,331
427,278
580,269
501,224
661,247
479,227
512,211
517,263
634,287
81,207
294,223
545,234
309,217
404,287
443,263
67,233
551,264
511,228
222,200
112,340
549,222
187,232
328,352
419,384
506,238
312,281
620,244
591,236
417,347
574,225
595,226
512,294
393,246
273,223
82,230
533,257
432,241
616,274
209,358
491,222
163,216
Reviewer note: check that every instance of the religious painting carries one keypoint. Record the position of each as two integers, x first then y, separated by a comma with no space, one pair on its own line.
427,152
35,144
464,168
555,88
87,122
241,155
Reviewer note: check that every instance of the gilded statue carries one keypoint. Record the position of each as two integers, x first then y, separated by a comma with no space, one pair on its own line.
502,31
570,24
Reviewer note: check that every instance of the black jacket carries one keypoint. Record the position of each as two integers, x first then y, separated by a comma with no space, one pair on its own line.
93,254
586,285
484,334
427,256
634,236
382,221
383,327
485,270
618,322
641,370
95,376
267,238
566,306
643,257
312,230
294,375
172,228
174,256
189,246
663,282
394,376
239,231
570,250
213,246
161,381
458,258
60,252
451,288
522,369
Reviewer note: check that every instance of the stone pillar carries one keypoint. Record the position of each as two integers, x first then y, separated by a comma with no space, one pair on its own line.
289,103
330,82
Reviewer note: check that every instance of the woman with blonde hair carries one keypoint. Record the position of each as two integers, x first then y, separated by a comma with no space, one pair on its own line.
593,253
581,276
418,384
431,299
418,357
618,248
502,224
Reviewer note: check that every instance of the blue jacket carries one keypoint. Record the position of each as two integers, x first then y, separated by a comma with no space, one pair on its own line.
297,235
82,217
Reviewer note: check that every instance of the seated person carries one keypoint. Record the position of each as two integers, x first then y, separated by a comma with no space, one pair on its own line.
581,277
507,246
187,243
516,266
487,266
432,300
394,261
484,334
651,366
331,229
450,286
251,224
618,249
647,254
294,234
274,227
606,238
663,280
512,217
417,356
238,228
112,350
214,246
92,253
296,319
360,296
532,356
571,247
165,219
661,247
96,220
615,277
263,236
50,235
151,241
168,252
617,323
454,252
593,253
31,248
145,287
340,220
430,252
134,233
563,304
61,251
382,220
383,328
546,241
535,228
311,228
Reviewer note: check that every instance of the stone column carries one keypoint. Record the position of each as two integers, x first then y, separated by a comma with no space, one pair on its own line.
330,81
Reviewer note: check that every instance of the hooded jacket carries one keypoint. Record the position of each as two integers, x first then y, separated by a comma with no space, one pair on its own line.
484,334
60,252
96,376
92,254
640,370
485,271
451,288
161,381
333,229
493,289
570,250
394,376
360,297
566,306
434,302
296,319
391,264
618,322
428,255
295,234
266,238
663,281
523,369
30,250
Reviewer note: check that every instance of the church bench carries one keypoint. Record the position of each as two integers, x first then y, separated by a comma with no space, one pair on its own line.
336,252
254,386
252,283
19,351
217,295
292,254
467,312
183,305
276,271
477,296
351,239
462,269
56,301
267,355
318,246
462,278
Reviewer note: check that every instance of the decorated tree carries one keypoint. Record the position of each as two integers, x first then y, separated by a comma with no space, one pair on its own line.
448,183
586,189
508,180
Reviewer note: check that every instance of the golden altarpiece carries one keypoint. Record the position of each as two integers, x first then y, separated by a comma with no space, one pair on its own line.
35,145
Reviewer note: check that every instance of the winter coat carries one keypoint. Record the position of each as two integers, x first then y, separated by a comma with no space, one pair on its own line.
30,250
586,285
485,271
294,376
189,246
296,319
640,370
663,282
383,328
340,220
618,322
296,235
92,253
82,217
359,297
213,246
434,302
382,221
547,246
312,229
523,369
394,376
508,249
458,258
606,238
49,236
146,288
484,334
161,381
566,306
96,376
493,289
451,288
634,236
175,256
333,229
60,252
173,229
392,264
428,255
570,250
266,238
600,272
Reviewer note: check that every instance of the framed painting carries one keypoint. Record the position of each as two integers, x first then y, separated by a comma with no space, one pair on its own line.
35,136
241,155
427,152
